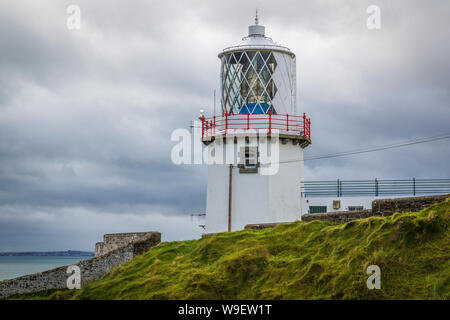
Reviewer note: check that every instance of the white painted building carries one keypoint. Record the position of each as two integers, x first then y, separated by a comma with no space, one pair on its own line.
334,204
258,81
348,195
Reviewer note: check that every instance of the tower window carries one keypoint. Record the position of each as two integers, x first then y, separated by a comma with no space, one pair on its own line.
248,160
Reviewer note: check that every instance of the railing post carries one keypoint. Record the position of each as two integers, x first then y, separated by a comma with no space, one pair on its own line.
203,126
226,121
270,121
287,122
414,186
304,125
309,129
376,187
248,121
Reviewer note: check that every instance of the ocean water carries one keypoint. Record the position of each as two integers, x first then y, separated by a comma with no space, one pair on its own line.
13,267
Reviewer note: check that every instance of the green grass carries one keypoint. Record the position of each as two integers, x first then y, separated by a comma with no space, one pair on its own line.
314,260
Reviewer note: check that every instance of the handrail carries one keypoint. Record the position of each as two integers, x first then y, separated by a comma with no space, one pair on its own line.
284,123
376,187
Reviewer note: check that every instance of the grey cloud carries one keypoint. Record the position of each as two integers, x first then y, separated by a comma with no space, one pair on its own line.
86,115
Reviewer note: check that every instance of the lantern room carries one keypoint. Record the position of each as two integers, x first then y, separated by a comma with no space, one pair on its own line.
257,76
258,89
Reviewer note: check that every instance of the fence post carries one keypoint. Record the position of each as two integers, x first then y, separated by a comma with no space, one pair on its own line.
287,122
376,187
270,121
414,186
338,187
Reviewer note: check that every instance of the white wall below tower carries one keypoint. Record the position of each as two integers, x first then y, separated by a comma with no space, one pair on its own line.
216,219
256,198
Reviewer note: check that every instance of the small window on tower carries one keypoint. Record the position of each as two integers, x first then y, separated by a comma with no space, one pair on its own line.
251,157
248,160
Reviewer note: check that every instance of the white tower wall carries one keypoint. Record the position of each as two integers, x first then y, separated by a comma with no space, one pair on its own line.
255,198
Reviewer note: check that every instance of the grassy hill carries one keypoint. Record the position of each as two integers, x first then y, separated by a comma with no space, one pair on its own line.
315,260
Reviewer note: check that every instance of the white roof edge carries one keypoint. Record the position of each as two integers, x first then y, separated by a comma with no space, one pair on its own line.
256,47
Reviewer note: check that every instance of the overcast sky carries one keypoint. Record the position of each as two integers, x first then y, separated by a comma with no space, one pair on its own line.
86,115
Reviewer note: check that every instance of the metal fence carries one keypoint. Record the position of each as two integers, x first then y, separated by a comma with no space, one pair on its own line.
376,187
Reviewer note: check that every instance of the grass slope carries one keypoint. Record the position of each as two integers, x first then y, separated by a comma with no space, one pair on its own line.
315,260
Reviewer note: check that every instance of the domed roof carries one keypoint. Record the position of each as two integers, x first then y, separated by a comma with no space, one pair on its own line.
255,40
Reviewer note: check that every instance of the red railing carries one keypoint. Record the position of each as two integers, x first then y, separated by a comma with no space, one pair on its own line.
284,123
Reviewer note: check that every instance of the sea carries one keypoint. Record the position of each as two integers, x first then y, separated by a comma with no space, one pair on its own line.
16,266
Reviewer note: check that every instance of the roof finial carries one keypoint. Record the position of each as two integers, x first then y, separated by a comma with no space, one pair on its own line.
256,30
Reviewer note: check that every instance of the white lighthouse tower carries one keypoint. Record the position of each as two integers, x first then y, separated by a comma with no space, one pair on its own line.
258,140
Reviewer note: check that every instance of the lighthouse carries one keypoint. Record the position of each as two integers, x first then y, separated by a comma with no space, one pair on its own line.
256,143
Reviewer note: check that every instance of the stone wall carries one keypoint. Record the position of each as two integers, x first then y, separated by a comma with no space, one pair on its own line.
260,226
100,249
143,245
383,207
91,270
112,241
413,204
338,216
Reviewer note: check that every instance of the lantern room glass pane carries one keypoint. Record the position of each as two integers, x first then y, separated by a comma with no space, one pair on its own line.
250,81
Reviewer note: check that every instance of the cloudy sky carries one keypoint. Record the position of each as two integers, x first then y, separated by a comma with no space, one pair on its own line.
86,115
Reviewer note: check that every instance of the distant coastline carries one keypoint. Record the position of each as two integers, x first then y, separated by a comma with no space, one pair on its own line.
68,253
